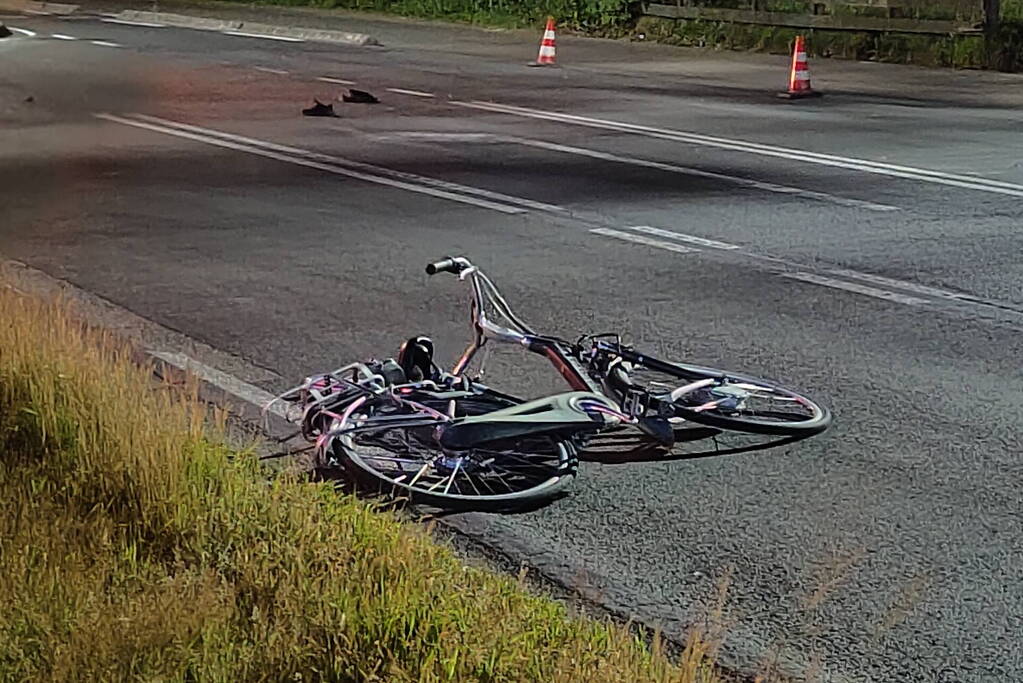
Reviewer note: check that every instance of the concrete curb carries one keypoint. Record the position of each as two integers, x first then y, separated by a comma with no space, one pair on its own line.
208,24
31,7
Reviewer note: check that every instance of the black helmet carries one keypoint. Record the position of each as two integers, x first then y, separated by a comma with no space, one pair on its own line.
416,358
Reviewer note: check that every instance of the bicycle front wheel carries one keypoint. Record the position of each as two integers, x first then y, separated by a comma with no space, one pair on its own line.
406,461
725,400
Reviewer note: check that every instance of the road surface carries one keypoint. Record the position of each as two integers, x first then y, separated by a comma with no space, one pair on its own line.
864,247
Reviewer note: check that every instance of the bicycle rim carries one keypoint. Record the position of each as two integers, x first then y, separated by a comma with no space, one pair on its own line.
735,402
405,461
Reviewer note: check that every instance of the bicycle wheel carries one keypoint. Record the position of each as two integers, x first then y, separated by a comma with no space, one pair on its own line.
725,400
391,456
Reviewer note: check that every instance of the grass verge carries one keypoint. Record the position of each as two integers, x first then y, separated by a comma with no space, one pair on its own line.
135,545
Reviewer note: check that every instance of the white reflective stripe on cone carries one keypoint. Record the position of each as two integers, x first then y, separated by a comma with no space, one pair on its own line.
802,75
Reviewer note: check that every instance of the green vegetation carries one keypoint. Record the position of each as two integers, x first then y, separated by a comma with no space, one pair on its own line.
135,545
603,17
620,18
926,50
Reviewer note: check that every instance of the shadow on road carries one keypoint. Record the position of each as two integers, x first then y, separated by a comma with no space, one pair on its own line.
630,447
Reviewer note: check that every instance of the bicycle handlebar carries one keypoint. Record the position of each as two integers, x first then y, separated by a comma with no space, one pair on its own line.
448,265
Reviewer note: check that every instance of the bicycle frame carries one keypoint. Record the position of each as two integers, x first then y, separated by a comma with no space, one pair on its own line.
485,330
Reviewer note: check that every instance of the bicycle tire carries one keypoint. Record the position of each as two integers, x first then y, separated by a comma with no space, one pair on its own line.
770,423
398,461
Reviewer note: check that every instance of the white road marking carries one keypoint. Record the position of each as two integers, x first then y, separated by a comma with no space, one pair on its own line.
414,93
61,36
268,70
640,239
263,35
687,170
341,81
857,288
682,237
300,161
442,185
223,381
902,284
864,165
146,24
671,168
23,31
442,137
104,43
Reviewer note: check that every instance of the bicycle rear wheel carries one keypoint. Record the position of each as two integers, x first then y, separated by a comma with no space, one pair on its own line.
725,400
405,460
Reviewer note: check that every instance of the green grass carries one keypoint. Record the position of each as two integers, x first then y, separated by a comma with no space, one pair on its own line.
135,545
594,16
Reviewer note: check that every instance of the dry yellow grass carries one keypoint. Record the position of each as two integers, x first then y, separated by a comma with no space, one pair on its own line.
133,546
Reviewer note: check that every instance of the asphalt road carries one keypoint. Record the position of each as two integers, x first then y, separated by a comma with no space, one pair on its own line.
864,247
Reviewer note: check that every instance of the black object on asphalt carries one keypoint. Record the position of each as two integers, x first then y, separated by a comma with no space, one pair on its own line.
30,99
320,109
5,32
359,97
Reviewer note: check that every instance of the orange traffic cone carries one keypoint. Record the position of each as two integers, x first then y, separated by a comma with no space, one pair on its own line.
799,79
547,48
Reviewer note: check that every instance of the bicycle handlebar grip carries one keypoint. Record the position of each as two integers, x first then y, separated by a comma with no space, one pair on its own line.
447,265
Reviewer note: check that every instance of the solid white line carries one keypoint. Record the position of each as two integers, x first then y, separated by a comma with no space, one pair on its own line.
857,288
640,239
415,93
687,170
380,180
61,36
682,237
147,24
268,70
671,168
103,43
327,79
23,31
418,180
878,168
223,381
263,35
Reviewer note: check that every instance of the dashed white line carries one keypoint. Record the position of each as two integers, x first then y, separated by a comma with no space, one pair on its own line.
414,93
682,237
864,165
104,43
813,278
23,31
147,24
408,182
640,239
341,81
62,36
902,284
268,70
243,34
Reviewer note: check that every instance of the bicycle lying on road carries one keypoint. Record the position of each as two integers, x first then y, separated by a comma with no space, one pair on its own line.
442,438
